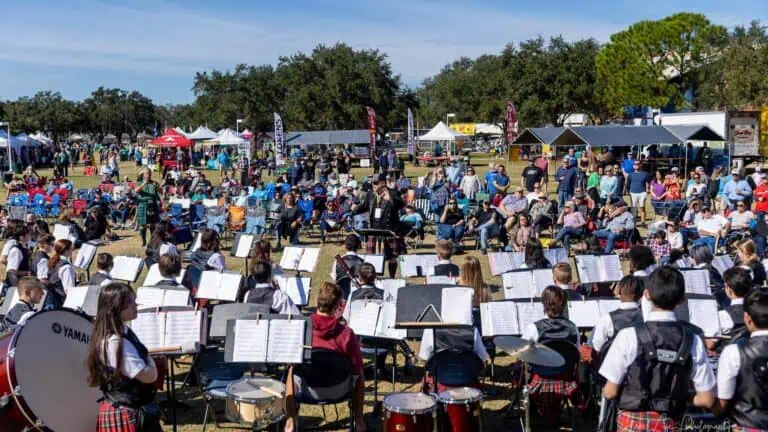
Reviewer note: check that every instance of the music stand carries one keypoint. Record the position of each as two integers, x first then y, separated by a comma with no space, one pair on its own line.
229,340
228,311
379,235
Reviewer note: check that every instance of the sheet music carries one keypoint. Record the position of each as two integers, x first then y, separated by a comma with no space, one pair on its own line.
608,306
83,297
147,297
244,245
542,278
518,284
286,341
556,256
153,275
63,232
611,268
503,262
126,268
417,265
721,263
588,267
85,255
250,341
176,297
297,258
703,313
198,240
529,313
298,292
364,317
684,262
388,314
499,319
441,280
456,305
390,284
376,260
182,328
697,281
584,313
150,328
219,285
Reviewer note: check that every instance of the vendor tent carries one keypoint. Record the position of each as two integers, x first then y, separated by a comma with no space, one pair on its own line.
229,137
180,131
441,132
171,138
543,135
694,133
488,129
40,137
201,134
616,136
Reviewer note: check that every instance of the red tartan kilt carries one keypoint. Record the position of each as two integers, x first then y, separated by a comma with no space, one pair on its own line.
645,421
113,419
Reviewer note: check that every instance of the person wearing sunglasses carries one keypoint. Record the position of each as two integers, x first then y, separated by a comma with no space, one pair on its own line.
452,224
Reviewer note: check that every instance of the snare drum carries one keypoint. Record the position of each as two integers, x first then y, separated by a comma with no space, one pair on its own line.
256,401
409,412
42,374
461,410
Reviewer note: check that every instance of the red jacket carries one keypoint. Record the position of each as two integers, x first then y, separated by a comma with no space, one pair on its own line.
761,198
328,333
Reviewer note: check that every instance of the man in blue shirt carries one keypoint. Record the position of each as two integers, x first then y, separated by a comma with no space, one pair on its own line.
566,182
628,164
638,183
737,189
501,181
490,177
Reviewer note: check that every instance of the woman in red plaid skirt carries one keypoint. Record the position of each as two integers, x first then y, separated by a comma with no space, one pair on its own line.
120,365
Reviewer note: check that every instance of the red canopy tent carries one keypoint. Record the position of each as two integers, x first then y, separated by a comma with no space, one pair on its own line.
171,138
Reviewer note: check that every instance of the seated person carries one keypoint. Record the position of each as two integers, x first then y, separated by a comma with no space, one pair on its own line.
538,214
262,290
463,340
620,223
563,278
104,264
30,293
711,226
444,266
738,282
412,218
572,222
208,256
170,270
486,222
511,206
330,219
353,262
520,234
630,290
451,226
290,221
329,333
198,196
741,218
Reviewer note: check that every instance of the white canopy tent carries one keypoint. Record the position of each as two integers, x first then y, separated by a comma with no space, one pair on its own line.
229,137
443,133
181,131
202,133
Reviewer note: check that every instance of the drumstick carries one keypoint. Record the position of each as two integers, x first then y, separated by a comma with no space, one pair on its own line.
267,390
164,349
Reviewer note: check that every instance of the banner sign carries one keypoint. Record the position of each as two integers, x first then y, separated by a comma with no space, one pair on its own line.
279,140
372,130
411,138
511,123
744,137
468,129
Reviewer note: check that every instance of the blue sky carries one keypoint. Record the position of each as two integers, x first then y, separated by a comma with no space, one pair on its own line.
74,46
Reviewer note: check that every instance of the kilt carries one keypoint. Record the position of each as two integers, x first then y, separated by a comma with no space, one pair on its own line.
112,419
645,421
143,216
393,247
548,394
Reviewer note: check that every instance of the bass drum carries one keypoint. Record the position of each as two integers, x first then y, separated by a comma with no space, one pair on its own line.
43,382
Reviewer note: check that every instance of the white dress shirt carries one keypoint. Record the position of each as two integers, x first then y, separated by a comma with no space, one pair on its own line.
726,323
168,249
106,281
428,345
7,246
14,258
604,330
42,269
623,353
728,368
217,262
67,276
280,301
132,365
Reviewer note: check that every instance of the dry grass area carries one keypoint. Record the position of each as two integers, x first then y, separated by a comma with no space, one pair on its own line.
497,395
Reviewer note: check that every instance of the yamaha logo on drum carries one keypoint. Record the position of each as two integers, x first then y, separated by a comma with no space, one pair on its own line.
71,333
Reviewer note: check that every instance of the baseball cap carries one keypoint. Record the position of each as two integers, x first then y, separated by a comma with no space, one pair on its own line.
735,172
675,169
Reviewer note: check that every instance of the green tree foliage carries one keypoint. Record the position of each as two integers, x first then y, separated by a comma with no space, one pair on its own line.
654,62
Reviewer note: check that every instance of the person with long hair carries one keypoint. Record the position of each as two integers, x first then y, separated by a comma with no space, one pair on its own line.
161,243
209,256
148,210
290,221
61,273
471,275
534,255
746,252
119,364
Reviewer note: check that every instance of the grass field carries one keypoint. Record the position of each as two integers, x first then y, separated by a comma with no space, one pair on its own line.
497,395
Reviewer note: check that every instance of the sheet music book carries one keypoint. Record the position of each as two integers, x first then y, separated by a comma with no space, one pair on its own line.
684,262
364,317
441,280
153,275
296,288
198,240
219,285
390,284
85,256
126,268
388,315
287,341
529,313
697,281
147,297
526,283
170,329
608,306
584,313
244,244
299,258
721,263
417,265
556,256
251,341
703,313
503,262
85,298
499,319
376,260
63,232
598,268
456,305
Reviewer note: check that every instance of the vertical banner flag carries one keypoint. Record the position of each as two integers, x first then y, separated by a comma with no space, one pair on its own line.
410,132
511,120
372,130
279,140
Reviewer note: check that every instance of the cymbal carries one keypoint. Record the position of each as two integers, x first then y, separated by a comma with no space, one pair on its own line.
528,352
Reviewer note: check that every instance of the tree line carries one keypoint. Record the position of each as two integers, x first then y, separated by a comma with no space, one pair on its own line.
682,61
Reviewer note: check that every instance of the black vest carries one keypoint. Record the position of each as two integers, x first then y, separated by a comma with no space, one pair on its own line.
736,312
621,319
367,292
55,287
557,328
130,392
659,378
36,258
98,278
15,314
263,295
451,270
750,404
199,260
342,280
11,277
455,339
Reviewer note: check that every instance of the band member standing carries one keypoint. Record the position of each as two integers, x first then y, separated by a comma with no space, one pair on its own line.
444,266
43,252
30,293
120,365
104,264
627,315
18,261
209,256
383,207
262,290
61,273
353,262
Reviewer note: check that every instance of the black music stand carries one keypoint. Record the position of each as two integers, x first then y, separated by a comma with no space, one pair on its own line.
379,235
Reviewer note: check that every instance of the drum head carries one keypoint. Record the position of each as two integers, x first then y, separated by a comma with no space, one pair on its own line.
252,389
409,403
460,395
49,369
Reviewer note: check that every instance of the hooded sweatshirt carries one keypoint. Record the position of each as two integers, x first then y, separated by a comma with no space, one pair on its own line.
328,333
